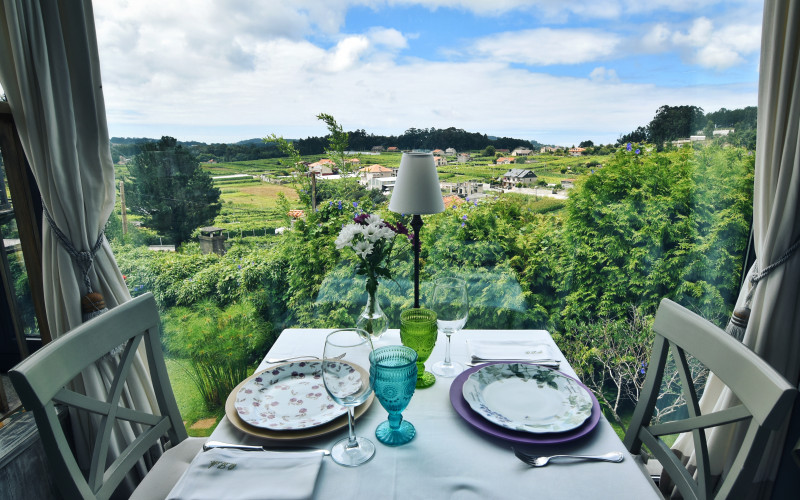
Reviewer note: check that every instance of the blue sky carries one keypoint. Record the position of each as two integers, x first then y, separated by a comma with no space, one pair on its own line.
557,72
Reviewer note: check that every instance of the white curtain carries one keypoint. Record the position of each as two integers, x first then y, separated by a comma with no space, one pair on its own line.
50,72
773,331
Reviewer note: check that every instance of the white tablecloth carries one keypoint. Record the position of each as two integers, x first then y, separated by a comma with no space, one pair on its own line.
449,459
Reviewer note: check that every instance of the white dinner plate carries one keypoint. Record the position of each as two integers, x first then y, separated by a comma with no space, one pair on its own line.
291,396
527,398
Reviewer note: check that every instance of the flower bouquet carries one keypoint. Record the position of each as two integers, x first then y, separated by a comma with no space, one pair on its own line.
372,240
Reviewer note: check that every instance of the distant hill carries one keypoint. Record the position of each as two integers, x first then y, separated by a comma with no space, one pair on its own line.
257,141
123,141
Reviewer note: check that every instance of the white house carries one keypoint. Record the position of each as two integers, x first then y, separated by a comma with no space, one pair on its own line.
450,151
521,152
375,171
518,176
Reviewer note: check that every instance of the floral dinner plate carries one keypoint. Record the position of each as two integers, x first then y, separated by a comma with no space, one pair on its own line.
527,398
287,397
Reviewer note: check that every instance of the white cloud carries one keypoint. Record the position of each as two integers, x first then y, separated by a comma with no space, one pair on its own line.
348,52
703,44
657,39
546,46
242,70
389,38
601,74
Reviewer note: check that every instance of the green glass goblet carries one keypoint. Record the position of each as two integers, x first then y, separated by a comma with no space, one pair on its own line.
418,330
393,374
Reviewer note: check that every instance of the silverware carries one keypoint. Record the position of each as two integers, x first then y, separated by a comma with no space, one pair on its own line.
210,445
271,361
540,461
549,363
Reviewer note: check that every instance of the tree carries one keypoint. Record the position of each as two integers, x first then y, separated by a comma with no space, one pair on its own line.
170,190
586,144
675,122
337,142
489,151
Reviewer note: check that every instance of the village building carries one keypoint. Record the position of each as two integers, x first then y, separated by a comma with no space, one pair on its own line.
450,151
505,160
576,151
548,149
438,152
463,157
518,176
393,149
323,167
440,161
521,152
378,149
452,201
567,183
382,184
366,174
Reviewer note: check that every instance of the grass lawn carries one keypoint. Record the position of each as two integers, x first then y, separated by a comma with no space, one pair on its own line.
190,404
257,195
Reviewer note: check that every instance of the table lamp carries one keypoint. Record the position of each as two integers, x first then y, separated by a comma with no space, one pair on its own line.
417,192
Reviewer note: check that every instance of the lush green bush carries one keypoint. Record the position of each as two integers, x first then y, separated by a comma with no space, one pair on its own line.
223,345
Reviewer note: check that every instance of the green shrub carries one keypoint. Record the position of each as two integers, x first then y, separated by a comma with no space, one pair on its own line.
222,345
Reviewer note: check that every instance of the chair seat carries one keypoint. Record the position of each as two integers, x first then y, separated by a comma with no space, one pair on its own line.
168,469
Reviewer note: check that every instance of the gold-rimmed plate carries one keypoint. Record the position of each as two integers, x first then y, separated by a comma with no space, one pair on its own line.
236,420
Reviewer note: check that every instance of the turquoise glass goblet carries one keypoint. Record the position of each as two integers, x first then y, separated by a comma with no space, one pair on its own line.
393,372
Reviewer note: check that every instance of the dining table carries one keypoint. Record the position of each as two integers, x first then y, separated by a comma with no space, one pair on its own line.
457,455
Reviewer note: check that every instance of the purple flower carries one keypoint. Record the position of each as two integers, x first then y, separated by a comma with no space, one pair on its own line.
355,204
628,147
463,224
464,217
637,151
340,204
239,266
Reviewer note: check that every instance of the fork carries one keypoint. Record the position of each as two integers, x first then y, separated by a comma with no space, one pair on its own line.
541,461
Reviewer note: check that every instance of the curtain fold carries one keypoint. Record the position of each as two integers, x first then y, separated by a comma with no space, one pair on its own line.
773,330
50,72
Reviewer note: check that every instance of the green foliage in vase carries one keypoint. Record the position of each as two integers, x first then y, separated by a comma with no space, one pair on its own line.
222,344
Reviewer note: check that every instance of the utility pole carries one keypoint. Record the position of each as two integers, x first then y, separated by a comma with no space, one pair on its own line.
124,210
313,191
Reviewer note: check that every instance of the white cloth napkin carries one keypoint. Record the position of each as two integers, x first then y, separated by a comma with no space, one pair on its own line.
508,350
244,475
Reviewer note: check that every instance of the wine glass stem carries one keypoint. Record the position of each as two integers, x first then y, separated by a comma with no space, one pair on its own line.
351,428
447,351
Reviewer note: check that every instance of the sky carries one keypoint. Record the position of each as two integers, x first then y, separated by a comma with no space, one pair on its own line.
558,72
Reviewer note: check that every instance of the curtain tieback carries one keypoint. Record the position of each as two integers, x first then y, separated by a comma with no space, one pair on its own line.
741,315
92,304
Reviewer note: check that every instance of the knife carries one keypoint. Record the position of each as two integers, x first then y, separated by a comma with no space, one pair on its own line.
210,445
549,363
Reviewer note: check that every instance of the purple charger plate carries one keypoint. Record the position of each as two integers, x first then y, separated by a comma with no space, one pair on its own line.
474,419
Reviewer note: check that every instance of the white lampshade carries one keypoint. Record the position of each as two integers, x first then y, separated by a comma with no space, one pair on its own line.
417,189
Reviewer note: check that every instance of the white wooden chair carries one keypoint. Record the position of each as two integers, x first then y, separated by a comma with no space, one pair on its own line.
41,380
766,402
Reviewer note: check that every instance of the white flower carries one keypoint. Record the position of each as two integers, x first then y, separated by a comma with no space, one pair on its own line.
372,233
386,233
346,235
363,248
373,220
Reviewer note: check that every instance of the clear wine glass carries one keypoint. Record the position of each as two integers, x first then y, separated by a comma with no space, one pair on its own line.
451,303
345,373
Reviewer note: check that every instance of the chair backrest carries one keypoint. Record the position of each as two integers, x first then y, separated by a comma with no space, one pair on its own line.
766,401
42,382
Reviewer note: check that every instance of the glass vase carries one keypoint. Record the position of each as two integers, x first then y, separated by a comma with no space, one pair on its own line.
372,319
